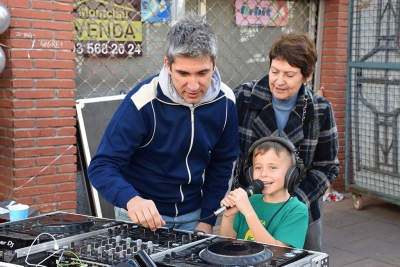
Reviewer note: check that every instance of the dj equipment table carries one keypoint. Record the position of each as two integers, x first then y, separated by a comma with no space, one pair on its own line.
73,240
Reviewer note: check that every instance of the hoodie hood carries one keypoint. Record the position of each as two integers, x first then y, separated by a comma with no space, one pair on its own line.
169,90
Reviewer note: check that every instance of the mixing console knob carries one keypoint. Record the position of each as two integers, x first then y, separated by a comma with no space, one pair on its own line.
184,239
121,254
139,244
99,250
118,238
124,233
150,248
128,251
155,237
128,240
117,249
113,245
297,251
124,247
289,255
169,244
172,237
72,245
167,258
173,254
114,257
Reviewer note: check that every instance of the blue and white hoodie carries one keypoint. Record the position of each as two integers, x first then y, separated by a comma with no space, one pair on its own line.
159,147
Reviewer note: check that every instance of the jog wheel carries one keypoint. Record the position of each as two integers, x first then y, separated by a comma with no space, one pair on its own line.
236,252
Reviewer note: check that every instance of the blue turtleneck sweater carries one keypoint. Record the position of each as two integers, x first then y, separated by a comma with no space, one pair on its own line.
282,110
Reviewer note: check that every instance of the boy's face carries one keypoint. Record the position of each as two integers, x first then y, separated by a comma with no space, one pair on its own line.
271,169
191,76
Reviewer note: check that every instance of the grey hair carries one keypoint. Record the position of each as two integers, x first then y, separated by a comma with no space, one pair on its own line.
192,36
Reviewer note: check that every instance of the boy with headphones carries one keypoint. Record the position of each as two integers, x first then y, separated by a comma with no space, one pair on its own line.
273,217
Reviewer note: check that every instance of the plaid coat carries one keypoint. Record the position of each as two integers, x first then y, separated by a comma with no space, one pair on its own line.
316,138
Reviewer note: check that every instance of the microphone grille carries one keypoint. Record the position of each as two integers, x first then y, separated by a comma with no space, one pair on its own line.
258,186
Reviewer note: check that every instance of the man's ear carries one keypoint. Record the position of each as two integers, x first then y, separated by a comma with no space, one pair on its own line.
167,65
215,63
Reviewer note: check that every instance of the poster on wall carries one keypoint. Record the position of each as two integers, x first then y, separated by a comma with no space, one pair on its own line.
261,13
156,10
107,28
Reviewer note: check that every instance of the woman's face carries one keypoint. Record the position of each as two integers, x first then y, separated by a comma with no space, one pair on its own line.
284,80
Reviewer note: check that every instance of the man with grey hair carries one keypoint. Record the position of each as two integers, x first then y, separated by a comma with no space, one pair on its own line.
166,156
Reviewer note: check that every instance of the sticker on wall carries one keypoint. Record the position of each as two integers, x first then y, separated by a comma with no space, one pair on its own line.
261,13
107,28
156,10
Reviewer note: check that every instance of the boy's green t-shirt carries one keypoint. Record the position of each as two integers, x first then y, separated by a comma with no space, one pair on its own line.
289,225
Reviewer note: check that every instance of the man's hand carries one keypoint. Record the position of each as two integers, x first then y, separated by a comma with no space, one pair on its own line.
204,227
144,212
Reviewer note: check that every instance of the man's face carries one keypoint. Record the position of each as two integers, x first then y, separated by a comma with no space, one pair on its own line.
191,76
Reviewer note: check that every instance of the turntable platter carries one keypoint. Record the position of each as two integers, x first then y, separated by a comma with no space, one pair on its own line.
236,252
63,223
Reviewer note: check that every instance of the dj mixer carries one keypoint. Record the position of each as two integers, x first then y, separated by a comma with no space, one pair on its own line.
64,239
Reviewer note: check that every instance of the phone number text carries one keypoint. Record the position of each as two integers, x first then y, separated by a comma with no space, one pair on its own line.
108,48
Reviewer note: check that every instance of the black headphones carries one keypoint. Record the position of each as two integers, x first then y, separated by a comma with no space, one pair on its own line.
293,176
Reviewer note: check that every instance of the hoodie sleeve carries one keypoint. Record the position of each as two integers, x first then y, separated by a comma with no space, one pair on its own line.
121,139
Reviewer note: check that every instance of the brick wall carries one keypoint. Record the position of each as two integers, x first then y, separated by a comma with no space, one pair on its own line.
333,71
37,106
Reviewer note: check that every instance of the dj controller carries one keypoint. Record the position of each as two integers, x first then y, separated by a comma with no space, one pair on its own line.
73,240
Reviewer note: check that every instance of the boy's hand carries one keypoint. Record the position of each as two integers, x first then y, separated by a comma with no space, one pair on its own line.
229,204
238,201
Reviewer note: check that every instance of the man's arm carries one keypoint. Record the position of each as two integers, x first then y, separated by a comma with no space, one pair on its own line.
119,142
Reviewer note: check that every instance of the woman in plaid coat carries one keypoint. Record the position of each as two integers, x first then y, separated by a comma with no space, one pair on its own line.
279,104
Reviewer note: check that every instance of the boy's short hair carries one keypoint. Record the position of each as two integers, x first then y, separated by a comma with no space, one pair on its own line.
264,147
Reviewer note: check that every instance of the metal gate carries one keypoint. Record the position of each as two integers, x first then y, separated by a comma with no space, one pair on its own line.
373,101
119,43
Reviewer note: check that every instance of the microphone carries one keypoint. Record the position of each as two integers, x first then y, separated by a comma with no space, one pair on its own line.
255,187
